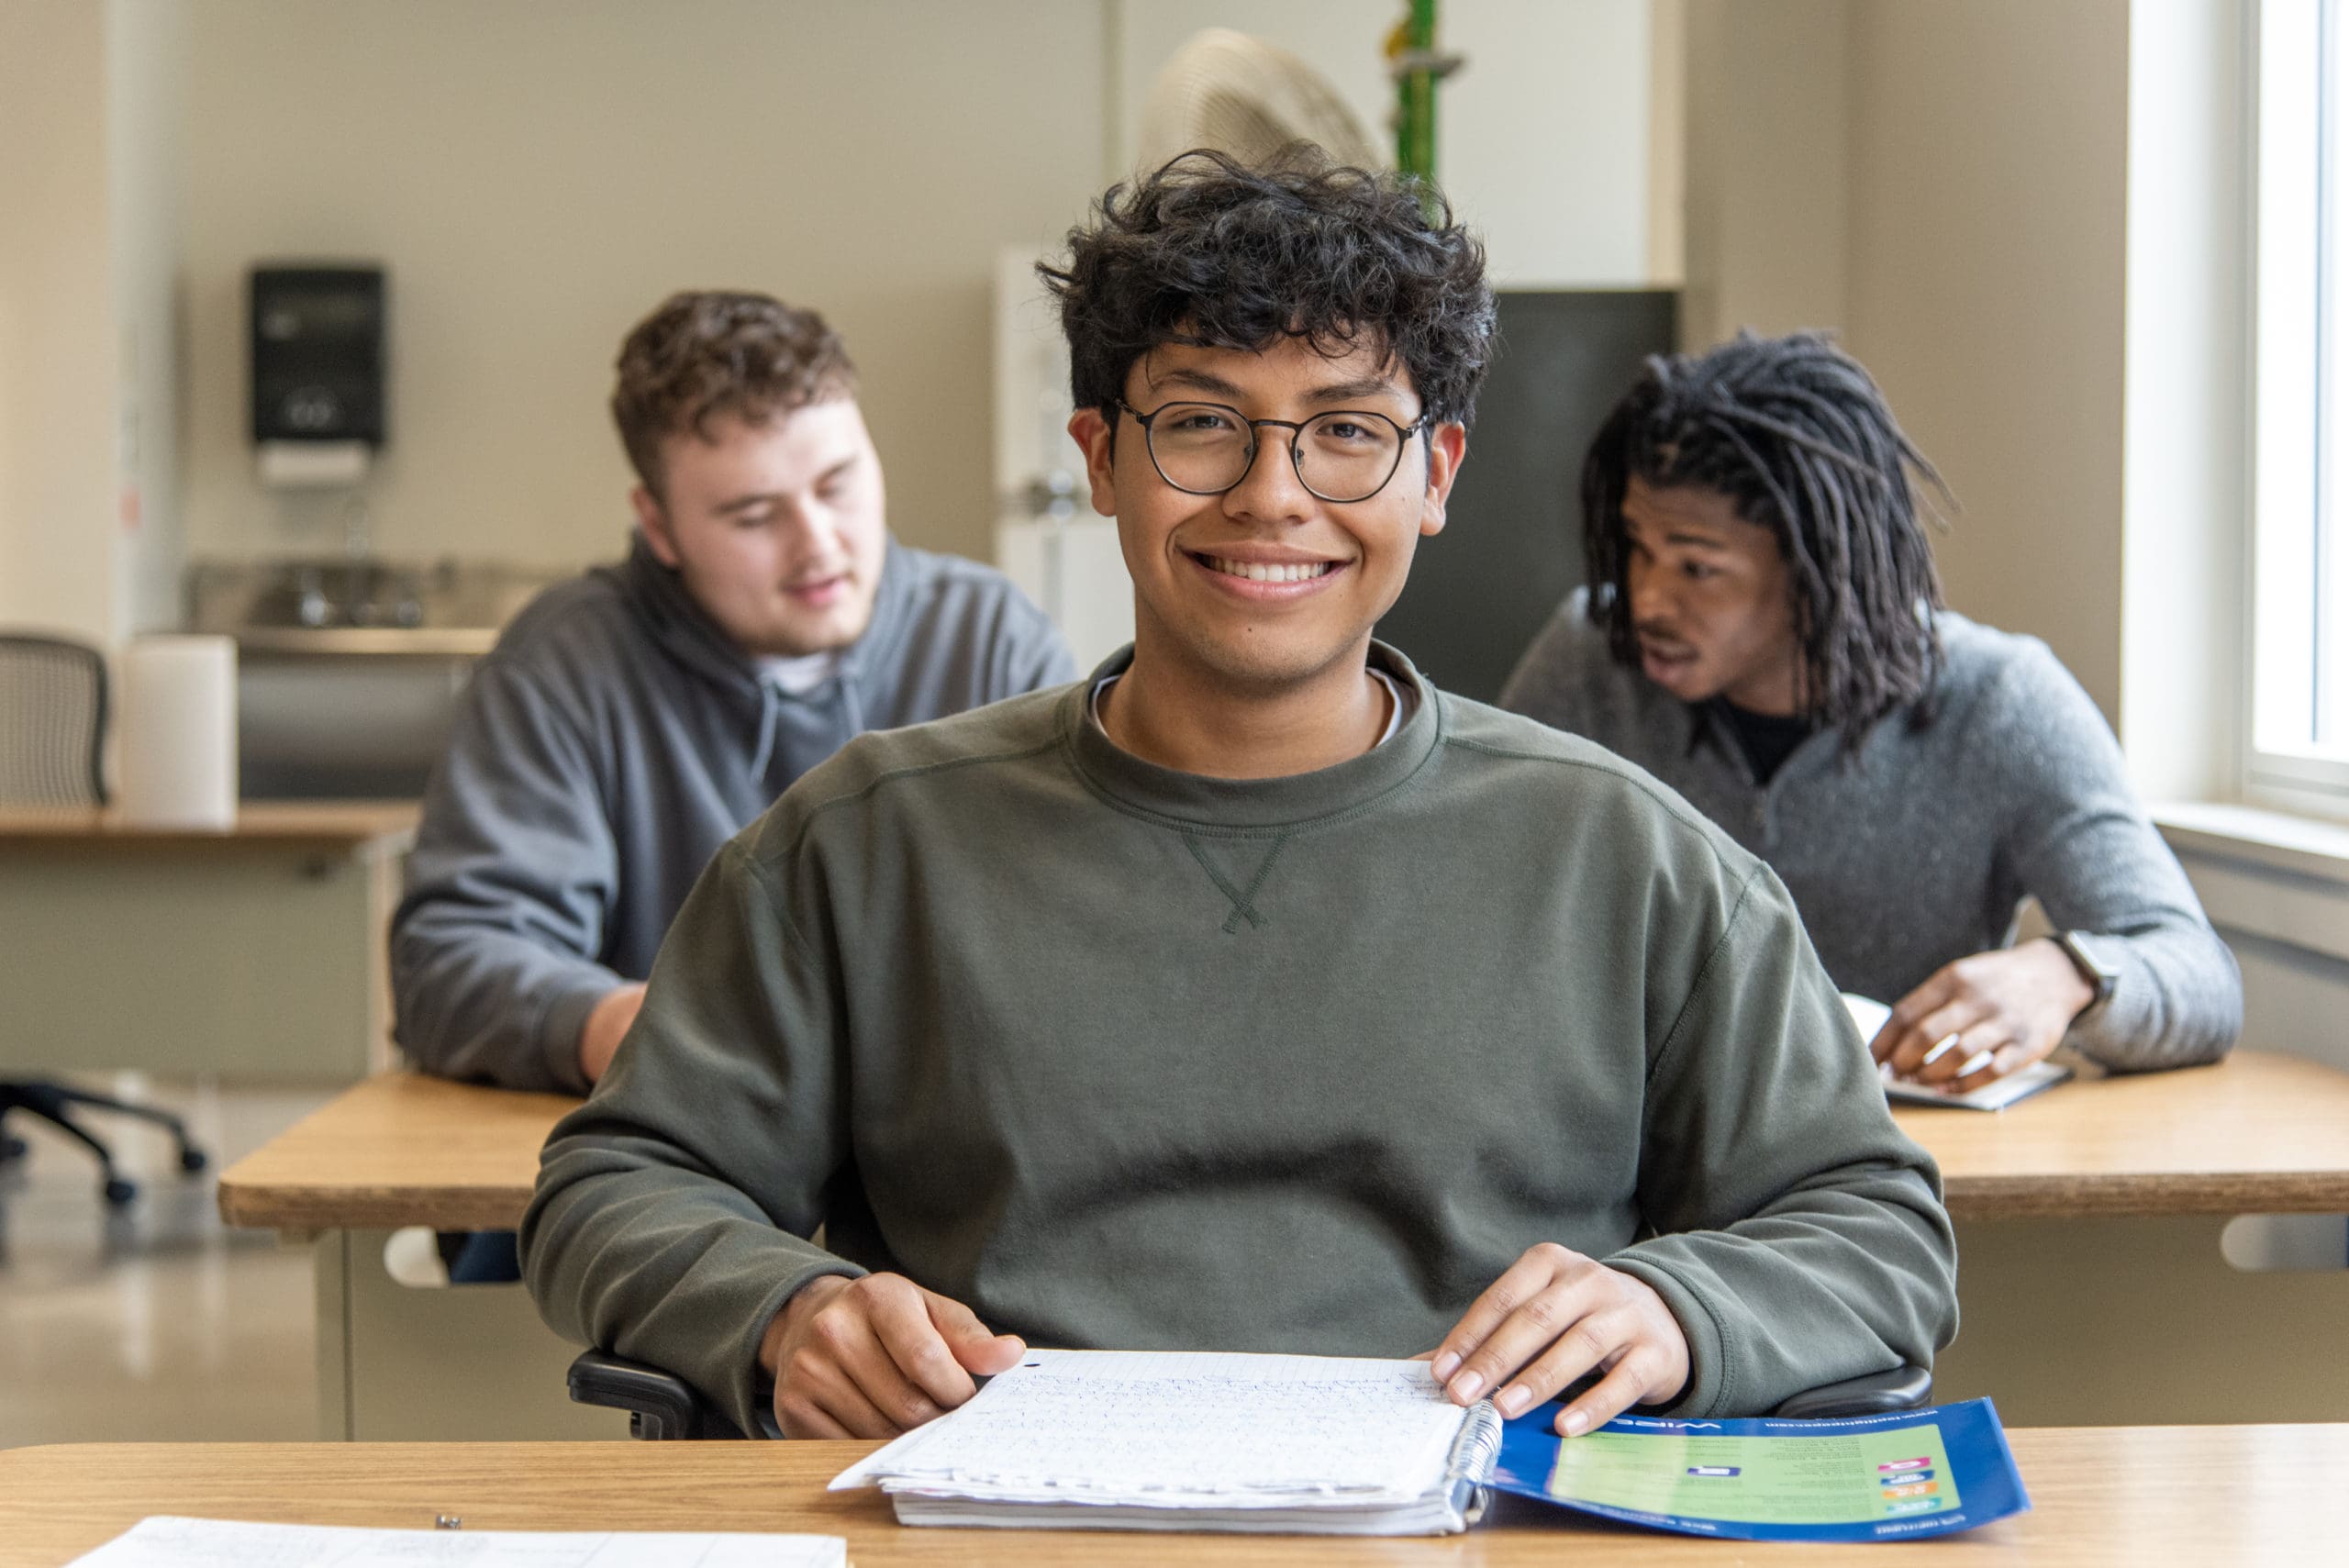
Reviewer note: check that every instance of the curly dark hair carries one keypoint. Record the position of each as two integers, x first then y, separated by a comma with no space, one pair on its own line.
707,352
1797,435
1212,251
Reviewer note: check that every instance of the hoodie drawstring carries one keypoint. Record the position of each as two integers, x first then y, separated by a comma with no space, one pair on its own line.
770,723
852,709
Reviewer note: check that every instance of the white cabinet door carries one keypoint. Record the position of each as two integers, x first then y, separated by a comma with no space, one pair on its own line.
1047,538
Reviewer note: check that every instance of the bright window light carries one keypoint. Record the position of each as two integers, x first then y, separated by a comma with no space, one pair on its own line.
2298,735
2329,551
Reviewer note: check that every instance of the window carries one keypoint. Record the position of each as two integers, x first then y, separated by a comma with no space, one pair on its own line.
2298,737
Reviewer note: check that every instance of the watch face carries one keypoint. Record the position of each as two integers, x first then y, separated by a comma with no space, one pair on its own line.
2075,945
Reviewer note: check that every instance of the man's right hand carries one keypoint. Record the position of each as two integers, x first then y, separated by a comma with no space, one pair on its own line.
607,1021
874,1357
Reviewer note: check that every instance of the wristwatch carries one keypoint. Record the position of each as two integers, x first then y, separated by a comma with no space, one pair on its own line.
2101,976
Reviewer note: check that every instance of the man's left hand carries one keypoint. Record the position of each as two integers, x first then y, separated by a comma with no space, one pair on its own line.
1553,1317
1983,1016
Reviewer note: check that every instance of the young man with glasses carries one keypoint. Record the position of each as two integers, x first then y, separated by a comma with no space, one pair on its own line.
1250,994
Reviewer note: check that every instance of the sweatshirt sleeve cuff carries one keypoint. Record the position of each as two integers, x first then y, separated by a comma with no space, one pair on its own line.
558,1027
752,1395
1708,1372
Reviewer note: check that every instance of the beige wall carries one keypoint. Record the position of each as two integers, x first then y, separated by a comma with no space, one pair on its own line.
90,95
1945,184
57,328
1667,158
147,123
1543,138
1987,202
1765,98
536,173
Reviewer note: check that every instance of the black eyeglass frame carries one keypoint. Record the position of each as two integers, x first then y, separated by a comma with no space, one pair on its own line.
1295,456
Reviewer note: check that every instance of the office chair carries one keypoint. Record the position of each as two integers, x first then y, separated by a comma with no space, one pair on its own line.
53,715
661,1405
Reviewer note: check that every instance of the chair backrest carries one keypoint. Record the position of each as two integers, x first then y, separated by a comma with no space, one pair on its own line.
52,722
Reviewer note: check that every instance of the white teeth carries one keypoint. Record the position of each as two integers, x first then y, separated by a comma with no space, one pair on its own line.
1258,571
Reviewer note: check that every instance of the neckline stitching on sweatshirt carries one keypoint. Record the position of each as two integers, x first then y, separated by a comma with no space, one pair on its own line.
1674,806
1244,904
1188,826
919,770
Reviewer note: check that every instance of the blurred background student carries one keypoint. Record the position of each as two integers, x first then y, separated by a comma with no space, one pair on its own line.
634,720
1764,632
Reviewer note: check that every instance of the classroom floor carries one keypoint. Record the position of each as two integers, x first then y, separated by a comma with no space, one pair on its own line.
157,1323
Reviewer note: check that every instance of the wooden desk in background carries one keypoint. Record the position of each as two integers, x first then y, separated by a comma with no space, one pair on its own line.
398,1363
254,953
2211,1496
2090,1280
2091,1286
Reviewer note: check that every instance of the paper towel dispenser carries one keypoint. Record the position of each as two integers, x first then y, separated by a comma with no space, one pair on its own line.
318,355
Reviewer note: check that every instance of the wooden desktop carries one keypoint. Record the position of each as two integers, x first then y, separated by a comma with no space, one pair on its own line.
2257,1133
396,1362
254,952
2205,1495
2090,1283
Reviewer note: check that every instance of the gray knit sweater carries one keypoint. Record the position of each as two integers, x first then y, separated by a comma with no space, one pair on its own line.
1920,852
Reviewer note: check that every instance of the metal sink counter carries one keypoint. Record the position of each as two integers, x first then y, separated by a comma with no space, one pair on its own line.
349,671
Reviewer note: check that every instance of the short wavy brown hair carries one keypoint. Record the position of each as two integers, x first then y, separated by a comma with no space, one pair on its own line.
707,352
1209,250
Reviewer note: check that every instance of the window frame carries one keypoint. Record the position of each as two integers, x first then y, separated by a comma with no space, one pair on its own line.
2296,396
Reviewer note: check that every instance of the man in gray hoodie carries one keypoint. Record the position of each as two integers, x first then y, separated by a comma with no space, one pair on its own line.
632,720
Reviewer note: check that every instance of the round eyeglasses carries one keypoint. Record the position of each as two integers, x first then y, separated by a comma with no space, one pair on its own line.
1206,448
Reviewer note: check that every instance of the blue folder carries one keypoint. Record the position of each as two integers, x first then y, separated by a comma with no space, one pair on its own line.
1893,1477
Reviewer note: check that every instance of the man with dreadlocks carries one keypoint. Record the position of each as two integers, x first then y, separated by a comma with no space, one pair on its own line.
1765,633
1246,994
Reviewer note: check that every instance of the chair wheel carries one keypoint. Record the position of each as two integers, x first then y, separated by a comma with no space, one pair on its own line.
119,1192
192,1161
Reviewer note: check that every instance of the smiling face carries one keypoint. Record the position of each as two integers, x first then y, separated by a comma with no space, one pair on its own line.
776,528
1710,599
1266,587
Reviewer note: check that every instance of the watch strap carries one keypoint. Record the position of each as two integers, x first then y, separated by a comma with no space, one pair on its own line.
2101,976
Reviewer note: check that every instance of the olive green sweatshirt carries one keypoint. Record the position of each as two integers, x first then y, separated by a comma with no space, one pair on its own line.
1124,1057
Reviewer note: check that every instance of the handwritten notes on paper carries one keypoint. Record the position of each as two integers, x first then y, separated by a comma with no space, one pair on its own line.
1110,1427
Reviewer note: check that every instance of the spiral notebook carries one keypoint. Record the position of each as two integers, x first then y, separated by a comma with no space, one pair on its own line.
1316,1445
1114,1439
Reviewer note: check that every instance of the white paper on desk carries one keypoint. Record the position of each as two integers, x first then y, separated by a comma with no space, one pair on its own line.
1994,1095
167,1542
1171,1428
